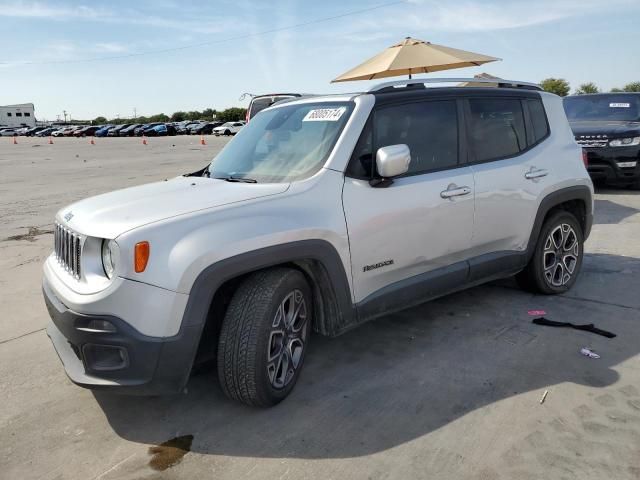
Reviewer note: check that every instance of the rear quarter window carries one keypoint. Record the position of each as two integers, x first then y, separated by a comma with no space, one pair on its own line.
538,117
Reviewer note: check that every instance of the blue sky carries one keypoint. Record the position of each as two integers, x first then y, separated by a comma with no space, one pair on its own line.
45,45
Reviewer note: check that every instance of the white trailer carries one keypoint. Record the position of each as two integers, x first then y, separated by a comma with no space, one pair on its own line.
20,115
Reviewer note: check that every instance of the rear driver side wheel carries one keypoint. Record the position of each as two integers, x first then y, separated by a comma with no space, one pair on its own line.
264,337
557,258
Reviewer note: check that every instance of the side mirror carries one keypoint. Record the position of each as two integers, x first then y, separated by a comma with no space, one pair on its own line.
391,161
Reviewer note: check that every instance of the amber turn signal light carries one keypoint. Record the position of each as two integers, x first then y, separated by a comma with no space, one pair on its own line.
141,256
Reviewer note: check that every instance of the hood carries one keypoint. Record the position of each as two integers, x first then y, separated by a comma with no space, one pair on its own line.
112,214
609,128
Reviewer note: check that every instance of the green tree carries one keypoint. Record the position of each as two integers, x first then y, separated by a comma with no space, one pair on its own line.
160,117
585,88
194,115
232,114
118,121
616,90
178,116
559,86
632,87
208,113
99,121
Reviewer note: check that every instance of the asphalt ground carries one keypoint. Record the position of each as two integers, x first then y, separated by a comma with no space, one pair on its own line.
449,389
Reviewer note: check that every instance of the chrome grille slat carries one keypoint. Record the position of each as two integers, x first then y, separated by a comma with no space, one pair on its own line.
66,249
71,255
56,239
67,246
592,140
78,256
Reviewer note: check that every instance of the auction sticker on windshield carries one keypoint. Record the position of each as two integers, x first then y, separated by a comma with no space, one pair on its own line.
619,105
324,114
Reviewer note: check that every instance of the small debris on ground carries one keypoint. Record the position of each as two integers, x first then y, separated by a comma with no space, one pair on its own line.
536,313
589,353
589,327
544,396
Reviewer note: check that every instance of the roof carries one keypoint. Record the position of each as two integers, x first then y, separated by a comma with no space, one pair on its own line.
411,89
602,94
18,105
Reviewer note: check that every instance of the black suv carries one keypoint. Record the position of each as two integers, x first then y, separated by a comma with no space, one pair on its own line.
607,126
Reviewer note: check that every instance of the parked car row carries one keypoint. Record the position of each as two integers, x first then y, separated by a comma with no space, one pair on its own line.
156,129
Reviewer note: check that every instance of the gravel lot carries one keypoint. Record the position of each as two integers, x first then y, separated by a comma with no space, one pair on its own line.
450,389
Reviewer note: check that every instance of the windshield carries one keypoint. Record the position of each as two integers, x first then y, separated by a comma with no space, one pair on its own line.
603,107
283,144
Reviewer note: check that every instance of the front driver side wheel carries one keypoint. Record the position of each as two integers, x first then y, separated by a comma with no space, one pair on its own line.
557,258
264,337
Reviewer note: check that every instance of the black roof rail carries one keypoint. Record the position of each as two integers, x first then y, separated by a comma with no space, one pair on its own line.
423,82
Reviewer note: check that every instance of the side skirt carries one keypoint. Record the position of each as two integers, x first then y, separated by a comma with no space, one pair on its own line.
437,283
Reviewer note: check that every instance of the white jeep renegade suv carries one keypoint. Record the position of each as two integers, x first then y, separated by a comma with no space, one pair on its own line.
322,213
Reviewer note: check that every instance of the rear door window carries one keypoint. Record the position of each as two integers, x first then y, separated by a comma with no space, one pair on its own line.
429,129
496,128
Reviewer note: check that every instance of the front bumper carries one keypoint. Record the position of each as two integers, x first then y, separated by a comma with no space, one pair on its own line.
122,360
604,164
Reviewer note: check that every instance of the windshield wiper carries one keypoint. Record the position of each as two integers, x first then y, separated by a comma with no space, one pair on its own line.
231,178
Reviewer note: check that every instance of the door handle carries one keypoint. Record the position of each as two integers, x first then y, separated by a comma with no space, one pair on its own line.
453,191
536,173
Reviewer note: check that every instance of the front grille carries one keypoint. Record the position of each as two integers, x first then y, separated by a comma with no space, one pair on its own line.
592,140
68,249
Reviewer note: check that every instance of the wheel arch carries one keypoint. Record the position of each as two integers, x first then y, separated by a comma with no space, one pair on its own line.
318,260
576,199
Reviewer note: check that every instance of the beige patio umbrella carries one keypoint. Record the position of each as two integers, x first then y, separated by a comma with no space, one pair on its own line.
413,56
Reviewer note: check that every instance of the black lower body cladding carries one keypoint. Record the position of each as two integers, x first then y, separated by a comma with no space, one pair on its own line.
120,358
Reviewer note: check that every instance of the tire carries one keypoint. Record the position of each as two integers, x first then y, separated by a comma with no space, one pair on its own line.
227,132
554,269
253,364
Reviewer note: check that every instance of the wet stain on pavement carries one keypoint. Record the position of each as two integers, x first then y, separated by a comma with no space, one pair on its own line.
30,235
169,453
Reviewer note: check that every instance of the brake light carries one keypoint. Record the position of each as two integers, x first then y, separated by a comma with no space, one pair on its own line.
141,256
585,158
246,116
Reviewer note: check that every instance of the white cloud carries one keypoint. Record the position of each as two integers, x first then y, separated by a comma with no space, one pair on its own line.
59,51
480,16
111,47
22,9
192,22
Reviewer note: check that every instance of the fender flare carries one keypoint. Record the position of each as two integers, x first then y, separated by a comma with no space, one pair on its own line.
215,275
180,359
558,197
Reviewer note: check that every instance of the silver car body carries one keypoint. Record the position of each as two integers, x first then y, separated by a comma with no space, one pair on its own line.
382,236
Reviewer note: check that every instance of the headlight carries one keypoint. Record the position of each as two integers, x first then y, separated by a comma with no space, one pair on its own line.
625,142
109,257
